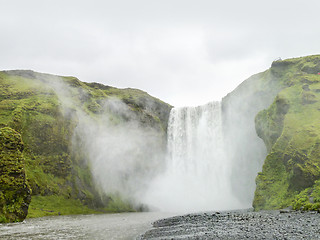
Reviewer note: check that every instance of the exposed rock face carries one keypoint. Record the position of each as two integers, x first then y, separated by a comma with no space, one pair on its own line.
15,193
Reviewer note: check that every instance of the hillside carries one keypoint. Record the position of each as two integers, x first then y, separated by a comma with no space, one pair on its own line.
70,147
57,120
244,148
290,130
282,107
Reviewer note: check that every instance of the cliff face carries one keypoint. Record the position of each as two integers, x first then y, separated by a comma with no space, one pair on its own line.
48,111
282,107
245,149
87,146
15,193
291,132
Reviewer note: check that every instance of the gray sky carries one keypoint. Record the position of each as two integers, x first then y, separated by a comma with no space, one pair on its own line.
181,51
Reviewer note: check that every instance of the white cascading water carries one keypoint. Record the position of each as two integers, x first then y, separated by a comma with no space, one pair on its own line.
198,173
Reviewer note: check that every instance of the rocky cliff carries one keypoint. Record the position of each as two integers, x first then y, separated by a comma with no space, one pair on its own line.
46,111
290,130
244,147
281,106
15,193
74,147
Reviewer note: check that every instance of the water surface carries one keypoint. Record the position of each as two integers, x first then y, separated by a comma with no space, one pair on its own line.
97,226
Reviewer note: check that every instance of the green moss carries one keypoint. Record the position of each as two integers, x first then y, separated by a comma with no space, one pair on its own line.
54,205
15,193
269,123
43,182
308,199
290,130
55,164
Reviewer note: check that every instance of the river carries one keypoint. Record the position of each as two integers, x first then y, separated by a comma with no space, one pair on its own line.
97,226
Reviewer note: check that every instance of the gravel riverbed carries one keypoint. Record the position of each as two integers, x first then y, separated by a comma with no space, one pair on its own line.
283,224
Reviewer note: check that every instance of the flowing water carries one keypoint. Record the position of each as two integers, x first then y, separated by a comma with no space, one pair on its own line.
198,171
101,226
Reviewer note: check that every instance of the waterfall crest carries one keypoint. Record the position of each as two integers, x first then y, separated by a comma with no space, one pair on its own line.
197,176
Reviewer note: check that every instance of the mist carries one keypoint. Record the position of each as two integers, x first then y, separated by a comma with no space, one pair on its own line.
213,152
209,160
123,153
198,172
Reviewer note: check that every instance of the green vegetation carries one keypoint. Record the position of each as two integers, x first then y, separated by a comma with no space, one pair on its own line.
53,171
54,164
54,205
14,189
308,199
291,131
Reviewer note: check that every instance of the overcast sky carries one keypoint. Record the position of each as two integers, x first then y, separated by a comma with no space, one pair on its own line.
181,51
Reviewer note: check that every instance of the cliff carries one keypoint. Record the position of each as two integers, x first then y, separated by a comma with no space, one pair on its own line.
244,148
15,193
43,115
281,106
74,147
290,130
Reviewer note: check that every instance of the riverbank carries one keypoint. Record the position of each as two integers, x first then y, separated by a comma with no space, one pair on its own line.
238,225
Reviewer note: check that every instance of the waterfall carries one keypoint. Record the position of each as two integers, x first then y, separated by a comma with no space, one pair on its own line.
197,176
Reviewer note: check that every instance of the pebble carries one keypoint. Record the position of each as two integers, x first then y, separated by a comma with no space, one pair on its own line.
283,224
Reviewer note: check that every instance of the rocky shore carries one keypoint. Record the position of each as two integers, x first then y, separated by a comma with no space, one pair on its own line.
283,224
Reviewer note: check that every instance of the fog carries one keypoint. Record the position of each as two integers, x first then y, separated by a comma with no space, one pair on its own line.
123,153
209,160
198,173
214,153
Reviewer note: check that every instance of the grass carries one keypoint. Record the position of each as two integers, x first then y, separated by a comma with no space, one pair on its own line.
55,205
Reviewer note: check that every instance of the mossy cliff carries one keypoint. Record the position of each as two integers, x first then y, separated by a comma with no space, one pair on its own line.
281,106
244,148
271,122
290,130
45,110
15,193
